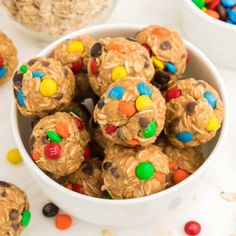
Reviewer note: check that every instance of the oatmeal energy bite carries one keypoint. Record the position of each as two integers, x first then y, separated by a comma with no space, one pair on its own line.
168,53
14,210
75,54
131,112
132,173
194,113
8,58
59,143
43,86
116,58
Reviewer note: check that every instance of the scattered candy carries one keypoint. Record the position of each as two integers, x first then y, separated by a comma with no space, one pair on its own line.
199,3
37,74
171,68
173,93
184,137
144,89
150,131
48,87
133,142
36,156
23,69
52,151
94,67
14,156
96,50
50,210
192,228
213,124
143,102
110,129
77,66
157,63
75,46
53,136
118,73
211,98
62,129
3,71
145,171
180,175
116,92
21,98
127,108
63,221
26,216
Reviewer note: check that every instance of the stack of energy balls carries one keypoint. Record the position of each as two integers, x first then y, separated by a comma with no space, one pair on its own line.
144,130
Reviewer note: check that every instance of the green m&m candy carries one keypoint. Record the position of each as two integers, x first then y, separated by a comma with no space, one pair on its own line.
145,170
199,3
151,130
26,216
23,69
54,137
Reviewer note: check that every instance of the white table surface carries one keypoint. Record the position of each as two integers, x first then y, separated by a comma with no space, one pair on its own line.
203,203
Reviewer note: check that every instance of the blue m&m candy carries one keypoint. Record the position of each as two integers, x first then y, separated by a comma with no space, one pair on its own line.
37,74
228,3
232,16
211,98
21,98
116,92
171,68
144,89
3,71
184,137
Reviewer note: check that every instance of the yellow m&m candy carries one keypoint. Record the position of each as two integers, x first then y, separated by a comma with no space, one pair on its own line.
157,63
118,73
143,102
75,46
213,124
14,157
48,87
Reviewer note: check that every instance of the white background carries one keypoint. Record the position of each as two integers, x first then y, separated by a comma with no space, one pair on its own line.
203,203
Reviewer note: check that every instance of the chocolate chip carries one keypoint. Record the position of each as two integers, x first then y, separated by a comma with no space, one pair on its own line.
4,184
97,150
166,45
15,226
121,135
101,103
17,80
13,214
88,170
173,123
222,12
44,140
59,96
31,62
96,50
107,165
114,173
45,63
190,108
143,122
4,194
131,39
50,210
161,78
94,124
65,71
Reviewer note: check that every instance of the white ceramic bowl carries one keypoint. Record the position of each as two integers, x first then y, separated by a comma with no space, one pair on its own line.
214,37
121,212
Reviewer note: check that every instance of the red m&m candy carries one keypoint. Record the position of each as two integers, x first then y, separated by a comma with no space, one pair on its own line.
87,152
110,129
1,61
192,228
94,67
79,123
52,151
173,93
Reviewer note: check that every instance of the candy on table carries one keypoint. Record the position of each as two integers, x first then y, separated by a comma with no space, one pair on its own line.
63,221
192,228
167,51
114,59
42,86
131,112
50,210
131,173
14,156
8,58
59,143
75,53
194,113
14,205
224,10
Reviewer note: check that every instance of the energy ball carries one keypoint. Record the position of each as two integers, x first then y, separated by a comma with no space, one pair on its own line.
131,112
75,54
14,210
8,58
116,58
59,143
43,86
133,173
168,53
194,113
88,178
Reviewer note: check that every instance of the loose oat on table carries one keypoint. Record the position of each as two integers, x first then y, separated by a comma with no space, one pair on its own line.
194,113
168,53
131,173
8,58
229,196
131,112
43,86
58,143
116,58
13,205
56,17
75,54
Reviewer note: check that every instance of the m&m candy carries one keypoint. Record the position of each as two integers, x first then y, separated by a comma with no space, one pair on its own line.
116,92
118,73
145,171
143,102
48,87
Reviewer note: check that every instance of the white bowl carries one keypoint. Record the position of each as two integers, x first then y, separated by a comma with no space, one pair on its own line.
121,212
214,37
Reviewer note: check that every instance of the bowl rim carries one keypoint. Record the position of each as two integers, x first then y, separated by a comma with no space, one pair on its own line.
30,164
206,17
